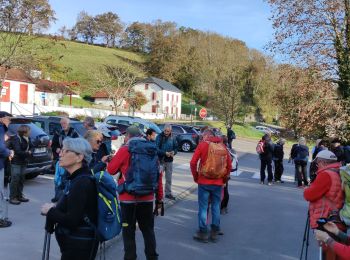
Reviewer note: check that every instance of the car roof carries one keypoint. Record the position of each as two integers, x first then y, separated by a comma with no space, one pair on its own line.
53,118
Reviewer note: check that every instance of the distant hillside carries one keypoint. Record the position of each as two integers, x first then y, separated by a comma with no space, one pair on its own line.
84,60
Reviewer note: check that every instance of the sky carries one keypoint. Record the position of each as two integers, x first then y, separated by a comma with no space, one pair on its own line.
246,20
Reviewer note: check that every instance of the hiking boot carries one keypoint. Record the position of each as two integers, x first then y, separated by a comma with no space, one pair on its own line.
223,211
220,233
5,223
201,237
213,236
261,182
23,199
14,202
170,197
269,183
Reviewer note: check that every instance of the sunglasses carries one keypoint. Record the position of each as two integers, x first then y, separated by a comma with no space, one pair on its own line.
98,141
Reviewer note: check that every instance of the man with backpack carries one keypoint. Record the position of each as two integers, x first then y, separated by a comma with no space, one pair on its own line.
325,194
211,174
167,146
136,187
265,149
278,155
230,136
300,155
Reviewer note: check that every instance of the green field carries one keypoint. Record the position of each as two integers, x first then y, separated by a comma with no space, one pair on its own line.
76,102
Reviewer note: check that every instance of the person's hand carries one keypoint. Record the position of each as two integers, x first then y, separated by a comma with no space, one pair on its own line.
105,158
12,153
167,154
331,227
46,207
171,154
321,236
58,150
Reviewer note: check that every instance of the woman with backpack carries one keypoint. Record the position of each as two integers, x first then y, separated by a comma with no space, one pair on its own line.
300,156
22,147
76,238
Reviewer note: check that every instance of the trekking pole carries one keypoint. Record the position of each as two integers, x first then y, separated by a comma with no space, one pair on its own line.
307,238
48,246
304,237
44,248
320,251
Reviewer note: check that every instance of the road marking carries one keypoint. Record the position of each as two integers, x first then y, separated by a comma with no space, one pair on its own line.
185,166
46,177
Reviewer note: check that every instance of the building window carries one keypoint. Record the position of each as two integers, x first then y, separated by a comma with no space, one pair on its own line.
172,110
167,110
177,98
154,96
146,86
167,97
154,109
172,97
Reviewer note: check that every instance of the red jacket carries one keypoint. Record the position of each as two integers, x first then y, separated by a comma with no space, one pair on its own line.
120,162
200,155
342,251
325,194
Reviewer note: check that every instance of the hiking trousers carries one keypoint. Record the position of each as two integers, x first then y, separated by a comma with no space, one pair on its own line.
17,181
278,169
300,170
2,195
266,164
168,169
142,212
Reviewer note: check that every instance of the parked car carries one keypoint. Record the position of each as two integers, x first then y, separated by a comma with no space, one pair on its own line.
186,136
51,124
131,120
267,130
41,159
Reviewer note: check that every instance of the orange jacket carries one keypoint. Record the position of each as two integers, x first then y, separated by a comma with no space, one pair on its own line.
200,155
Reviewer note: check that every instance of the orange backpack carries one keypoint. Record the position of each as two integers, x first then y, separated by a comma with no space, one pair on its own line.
215,166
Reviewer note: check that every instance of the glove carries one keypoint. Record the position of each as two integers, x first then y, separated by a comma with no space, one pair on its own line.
49,226
159,205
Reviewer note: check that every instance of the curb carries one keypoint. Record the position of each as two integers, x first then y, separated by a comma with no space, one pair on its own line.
167,204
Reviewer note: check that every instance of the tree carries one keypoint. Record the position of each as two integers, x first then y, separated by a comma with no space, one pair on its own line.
86,27
305,101
108,26
136,99
315,32
136,37
116,82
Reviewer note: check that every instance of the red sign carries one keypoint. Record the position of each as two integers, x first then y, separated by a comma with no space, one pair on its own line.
203,113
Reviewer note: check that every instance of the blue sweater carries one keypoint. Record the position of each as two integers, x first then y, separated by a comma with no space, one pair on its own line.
4,152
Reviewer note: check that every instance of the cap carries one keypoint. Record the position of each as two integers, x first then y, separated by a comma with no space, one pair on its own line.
133,130
4,114
104,130
326,154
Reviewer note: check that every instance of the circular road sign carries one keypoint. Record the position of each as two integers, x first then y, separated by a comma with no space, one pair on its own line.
203,113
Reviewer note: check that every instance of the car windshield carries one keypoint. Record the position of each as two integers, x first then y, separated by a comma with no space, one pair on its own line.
34,130
154,127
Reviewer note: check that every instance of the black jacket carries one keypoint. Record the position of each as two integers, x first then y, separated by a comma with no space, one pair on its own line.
59,137
278,153
21,148
80,201
268,151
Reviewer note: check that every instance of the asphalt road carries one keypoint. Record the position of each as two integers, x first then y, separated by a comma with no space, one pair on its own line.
264,222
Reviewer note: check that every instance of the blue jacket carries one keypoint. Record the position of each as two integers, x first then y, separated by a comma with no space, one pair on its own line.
166,144
4,152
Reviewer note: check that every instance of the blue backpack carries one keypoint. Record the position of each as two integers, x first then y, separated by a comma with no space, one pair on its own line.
143,173
109,223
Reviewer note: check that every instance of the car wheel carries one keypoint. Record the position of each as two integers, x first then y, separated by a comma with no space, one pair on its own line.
186,146
32,175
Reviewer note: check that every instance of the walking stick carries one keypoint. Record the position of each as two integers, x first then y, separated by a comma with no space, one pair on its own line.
44,248
305,238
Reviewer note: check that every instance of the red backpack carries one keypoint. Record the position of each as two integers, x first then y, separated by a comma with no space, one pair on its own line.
260,147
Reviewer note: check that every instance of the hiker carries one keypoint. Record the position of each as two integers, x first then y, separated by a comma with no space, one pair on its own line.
5,119
106,146
278,155
340,247
167,146
338,150
325,194
211,175
230,136
76,238
59,136
136,208
300,155
265,157
89,123
100,157
23,148
226,195
151,134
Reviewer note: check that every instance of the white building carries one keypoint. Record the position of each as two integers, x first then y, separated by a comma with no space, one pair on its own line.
163,97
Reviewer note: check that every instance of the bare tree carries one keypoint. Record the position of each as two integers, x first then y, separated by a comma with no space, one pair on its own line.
116,82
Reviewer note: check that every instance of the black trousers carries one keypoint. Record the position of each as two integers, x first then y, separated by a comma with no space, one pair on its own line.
300,170
266,164
278,169
142,212
226,198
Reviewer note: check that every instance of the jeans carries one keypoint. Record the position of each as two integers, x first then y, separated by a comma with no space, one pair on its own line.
168,168
300,170
17,181
208,193
278,169
142,212
3,202
263,165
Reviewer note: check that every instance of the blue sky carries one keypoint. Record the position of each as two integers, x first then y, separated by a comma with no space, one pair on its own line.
246,20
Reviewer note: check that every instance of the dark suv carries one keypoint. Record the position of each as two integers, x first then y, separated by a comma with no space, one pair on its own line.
187,136
51,124
40,161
